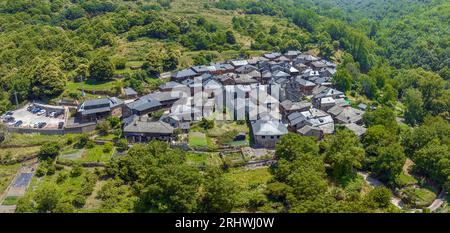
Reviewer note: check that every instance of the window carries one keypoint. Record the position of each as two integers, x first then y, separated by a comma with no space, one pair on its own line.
263,137
271,137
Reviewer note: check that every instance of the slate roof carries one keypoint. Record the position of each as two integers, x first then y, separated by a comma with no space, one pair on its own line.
304,82
99,105
200,69
292,53
335,110
307,128
350,115
357,129
144,126
184,74
293,106
280,73
165,96
246,69
171,85
144,103
272,127
96,102
129,91
237,63
272,55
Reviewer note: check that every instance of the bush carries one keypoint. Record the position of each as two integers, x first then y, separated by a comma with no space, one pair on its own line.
88,184
207,124
79,201
51,170
63,207
90,144
61,177
41,171
108,147
49,150
83,139
122,145
76,171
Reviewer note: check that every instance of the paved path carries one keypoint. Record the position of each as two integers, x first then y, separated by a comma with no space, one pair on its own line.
18,187
374,183
438,202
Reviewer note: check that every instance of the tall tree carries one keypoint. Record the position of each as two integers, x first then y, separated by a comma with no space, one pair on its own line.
101,68
414,107
343,152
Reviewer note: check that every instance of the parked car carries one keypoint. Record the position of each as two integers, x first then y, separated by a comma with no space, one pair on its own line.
7,119
9,113
35,110
30,107
18,123
41,112
60,125
52,114
42,125
11,123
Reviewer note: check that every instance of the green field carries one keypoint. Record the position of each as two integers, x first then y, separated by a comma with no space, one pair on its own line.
7,173
10,200
197,140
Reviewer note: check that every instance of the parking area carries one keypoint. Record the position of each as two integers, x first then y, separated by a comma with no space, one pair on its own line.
36,116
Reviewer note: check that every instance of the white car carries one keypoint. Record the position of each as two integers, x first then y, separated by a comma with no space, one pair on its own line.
52,114
42,112
11,123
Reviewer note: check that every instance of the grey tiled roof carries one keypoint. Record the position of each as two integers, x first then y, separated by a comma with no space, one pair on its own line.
143,126
129,91
261,127
144,103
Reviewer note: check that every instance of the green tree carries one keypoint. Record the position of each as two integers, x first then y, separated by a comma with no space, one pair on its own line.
381,116
47,197
379,197
344,153
49,150
414,107
47,79
219,193
342,80
389,162
101,69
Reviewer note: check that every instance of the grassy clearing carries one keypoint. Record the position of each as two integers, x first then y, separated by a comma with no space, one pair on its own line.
7,173
211,159
26,140
96,154
197,140
69,187
18,153
10,200
405,180
92,85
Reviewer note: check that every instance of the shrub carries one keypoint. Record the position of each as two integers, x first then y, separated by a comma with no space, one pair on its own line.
122,145
108,147
51,170
41,171
79,201
76,171
49,150
61,177
83,139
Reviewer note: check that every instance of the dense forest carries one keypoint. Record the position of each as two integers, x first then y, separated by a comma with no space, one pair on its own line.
391,54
